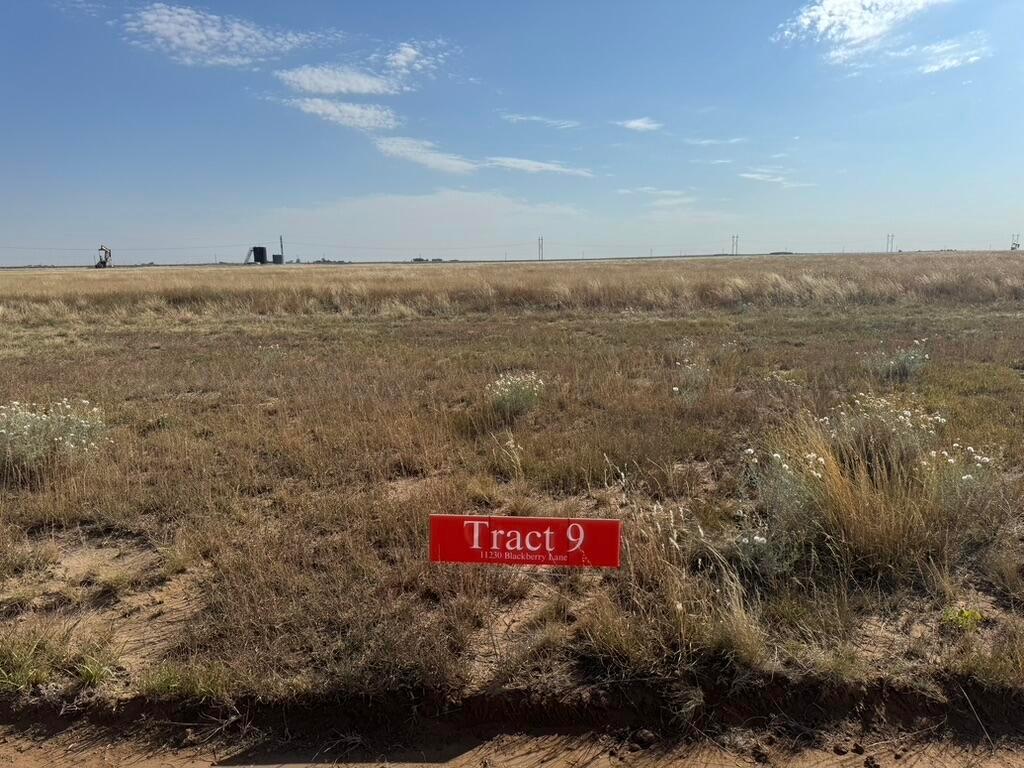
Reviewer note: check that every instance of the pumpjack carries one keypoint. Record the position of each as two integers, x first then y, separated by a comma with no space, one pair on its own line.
106,258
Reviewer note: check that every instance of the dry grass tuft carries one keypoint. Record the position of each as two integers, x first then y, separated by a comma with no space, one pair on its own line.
870,490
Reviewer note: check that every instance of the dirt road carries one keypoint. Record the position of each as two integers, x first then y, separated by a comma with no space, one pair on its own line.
80,749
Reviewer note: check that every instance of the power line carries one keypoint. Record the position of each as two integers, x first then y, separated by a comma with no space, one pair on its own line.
511,251
355,247
346,246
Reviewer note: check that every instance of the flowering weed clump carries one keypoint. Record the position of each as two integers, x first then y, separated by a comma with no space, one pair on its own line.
35,439
514,394
901,365
693,378
870,488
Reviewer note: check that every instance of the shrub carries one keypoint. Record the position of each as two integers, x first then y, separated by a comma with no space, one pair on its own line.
35,439
900,366
514,394
869,488
965,620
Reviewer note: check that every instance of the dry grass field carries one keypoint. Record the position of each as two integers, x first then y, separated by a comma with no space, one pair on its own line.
817,461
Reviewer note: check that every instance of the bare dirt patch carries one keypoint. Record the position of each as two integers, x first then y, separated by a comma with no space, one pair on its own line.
82,571
115,589
147,624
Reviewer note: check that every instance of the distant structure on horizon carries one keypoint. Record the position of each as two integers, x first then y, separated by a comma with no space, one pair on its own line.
106,258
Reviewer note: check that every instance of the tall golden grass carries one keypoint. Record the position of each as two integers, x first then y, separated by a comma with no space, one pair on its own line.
440,290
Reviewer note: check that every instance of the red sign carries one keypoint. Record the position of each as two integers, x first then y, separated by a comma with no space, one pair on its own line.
552,542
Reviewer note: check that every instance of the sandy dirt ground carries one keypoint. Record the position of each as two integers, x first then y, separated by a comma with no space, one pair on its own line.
462,749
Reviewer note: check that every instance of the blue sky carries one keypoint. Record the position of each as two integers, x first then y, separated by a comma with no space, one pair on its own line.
183,132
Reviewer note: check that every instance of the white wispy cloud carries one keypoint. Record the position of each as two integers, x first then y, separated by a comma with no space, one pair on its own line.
417,57
774,175
536,166
673,201
660,199
947,54
852,28
640,124
405,57
429,155
947,61
87,7
364,117
332,80
390,73
424,153
547,121
714,142
762,176
653,191
198,38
